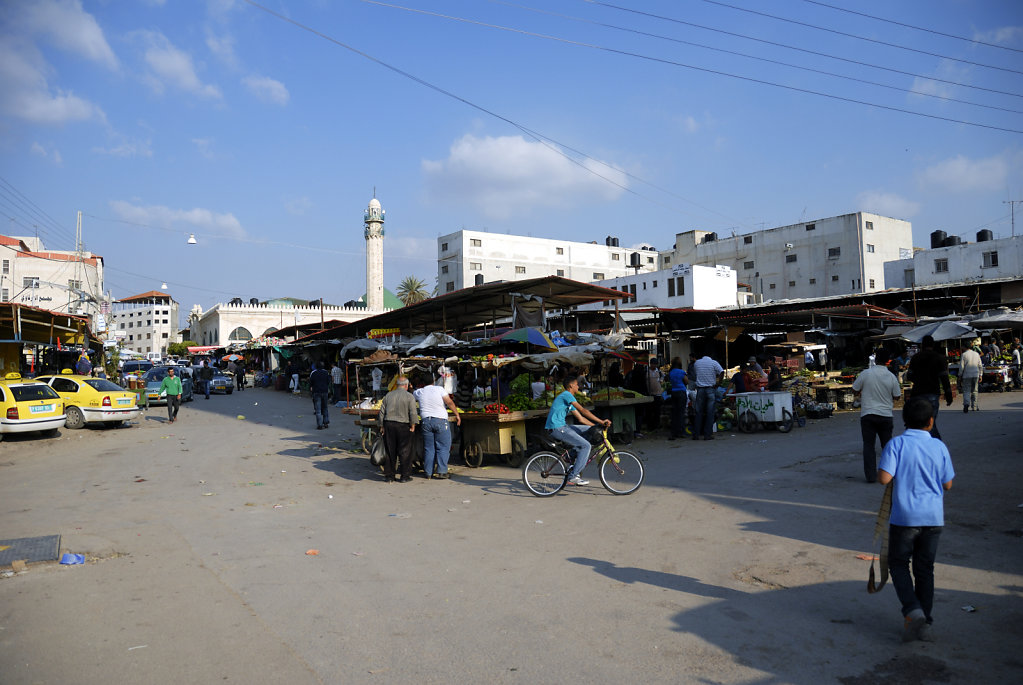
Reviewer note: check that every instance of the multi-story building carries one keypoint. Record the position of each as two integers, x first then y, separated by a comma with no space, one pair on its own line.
681,287
57,280
958,262
147,322
466,258
833,256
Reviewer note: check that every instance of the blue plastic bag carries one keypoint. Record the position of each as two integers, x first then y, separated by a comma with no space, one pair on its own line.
71,559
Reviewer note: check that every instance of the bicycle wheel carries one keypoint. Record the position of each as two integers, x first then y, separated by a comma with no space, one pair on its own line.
785,425
621,472
544,474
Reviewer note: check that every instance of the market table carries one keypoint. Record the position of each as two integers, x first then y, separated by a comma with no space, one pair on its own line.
622,413
495,434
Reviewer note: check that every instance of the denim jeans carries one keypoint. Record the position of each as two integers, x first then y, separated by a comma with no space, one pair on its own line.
573,435
320,405
969,387
436,444
919,545
678,413
872,427
935,401
705,399
206,387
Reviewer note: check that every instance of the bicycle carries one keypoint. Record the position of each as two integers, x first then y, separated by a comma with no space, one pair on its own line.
545,473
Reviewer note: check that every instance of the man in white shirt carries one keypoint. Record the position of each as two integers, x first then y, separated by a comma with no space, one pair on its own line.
708,374
877,387
434,402
970,370
377,375
1017,382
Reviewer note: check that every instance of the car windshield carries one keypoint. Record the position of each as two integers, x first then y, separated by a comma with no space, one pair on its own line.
35,391
157,373
103,385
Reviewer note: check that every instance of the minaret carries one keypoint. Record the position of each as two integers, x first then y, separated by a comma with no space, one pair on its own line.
374,256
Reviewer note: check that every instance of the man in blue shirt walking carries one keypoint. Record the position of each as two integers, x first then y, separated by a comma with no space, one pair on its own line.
921,471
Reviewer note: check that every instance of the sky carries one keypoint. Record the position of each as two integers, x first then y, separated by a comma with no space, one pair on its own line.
264,130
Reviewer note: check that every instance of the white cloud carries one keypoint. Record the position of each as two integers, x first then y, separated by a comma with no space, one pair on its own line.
164,217
57,159
123,146
267,89
204,145
1000,35
947,71
27,94
39,149
298,205
508,175
171,66
689,124
222,47
962,174
887,204
68,27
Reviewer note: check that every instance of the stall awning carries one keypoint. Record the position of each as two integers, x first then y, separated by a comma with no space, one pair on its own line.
202,349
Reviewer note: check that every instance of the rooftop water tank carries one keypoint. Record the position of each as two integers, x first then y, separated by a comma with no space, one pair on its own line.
984,236
953,240
938,239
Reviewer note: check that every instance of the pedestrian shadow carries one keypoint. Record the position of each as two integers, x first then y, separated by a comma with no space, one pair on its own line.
669,581
350,468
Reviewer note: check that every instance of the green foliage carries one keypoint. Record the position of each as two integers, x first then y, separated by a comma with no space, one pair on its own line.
412,290
181,348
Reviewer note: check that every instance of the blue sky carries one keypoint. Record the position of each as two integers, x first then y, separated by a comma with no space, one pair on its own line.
158,119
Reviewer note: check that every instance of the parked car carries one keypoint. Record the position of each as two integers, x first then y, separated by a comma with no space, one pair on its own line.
154,377
134,367
222,382
92,400
27,406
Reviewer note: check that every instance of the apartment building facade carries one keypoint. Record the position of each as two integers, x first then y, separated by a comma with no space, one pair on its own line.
988,258
58,280
147,322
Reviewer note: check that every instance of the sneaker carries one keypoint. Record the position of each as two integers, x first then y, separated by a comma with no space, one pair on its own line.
966,409
926,633
576,480
912,624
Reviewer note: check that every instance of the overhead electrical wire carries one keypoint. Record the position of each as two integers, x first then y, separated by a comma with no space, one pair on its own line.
911,26
850,35
31,208
861,63
946,98
539,137
661,60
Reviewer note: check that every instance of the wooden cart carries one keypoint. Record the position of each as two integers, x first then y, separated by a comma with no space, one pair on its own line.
498,435
622,413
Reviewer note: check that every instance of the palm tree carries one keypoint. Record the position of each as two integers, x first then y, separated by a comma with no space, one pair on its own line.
412,290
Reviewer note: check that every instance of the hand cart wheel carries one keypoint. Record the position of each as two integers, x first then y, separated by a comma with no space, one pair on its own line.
786,423
748,422
518,453
473,454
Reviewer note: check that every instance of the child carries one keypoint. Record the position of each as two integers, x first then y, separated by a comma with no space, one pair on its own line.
922,470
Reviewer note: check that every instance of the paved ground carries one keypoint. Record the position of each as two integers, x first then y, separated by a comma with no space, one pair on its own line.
735,563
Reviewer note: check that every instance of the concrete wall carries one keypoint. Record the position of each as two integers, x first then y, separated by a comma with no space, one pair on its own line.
216,324
962,263
50,266
833,256
500,257
145,326
684,287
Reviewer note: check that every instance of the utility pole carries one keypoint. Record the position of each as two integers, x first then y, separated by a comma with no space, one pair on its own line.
1012,212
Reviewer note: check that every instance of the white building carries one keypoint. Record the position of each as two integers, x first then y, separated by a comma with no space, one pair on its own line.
147,322
681,287
985,259
57,280
464,257
222,324
833,256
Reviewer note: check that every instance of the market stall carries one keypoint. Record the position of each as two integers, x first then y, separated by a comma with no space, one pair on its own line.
769,409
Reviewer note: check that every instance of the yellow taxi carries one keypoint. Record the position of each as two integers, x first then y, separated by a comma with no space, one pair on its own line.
27,405
92,400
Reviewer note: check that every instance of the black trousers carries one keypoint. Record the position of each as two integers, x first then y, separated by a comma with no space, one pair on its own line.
398,449
173,404
873,427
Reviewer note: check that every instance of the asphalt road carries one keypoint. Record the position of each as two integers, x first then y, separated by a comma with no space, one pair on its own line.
734,563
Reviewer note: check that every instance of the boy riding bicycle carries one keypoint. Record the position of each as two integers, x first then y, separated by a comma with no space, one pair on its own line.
573,434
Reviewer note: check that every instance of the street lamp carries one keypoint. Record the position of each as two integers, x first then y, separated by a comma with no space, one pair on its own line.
191,239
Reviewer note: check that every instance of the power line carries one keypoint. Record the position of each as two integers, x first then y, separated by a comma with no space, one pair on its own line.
911,26
799,49
756,57
853,35
33,209
659,60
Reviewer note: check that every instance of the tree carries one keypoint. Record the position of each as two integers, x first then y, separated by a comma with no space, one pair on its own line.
181,348
412,290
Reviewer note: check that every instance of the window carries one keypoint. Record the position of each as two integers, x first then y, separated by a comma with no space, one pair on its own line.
561,272
771,286
131,337
615,257
834,252
667,260
131,324
671,287
632,289
834,279
443,247
74,284
869,225
165,335
747,240
444,269
559,250
789,258
870,248
813,281
990,259
649,260
449,287
748,266
520,269
475,266
654,285
4,295
811,227
475,242
7,266
792,284
941,266
597,276
644,285
149,322
680,286
149,336
29,281
871,281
